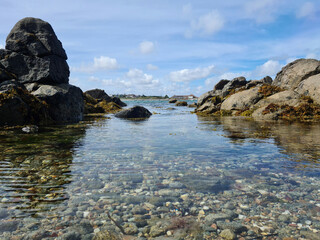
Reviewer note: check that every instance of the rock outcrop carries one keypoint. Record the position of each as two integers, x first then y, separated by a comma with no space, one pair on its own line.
181,103
35,58
93,105
134,112
293,73
294,95
101,95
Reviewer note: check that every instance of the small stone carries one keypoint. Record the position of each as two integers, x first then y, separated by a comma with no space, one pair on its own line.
206,208
228,234
169,233
86,214
184,197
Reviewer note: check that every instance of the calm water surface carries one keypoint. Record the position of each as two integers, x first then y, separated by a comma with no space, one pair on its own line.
61,172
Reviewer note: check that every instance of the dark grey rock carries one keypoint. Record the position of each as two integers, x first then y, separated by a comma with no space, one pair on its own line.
8,226
73,235
27,69
134,112
220,85
3,213
181,103
192,105
34,37
206,184
65,101
233,84
100,95
173,100
236,227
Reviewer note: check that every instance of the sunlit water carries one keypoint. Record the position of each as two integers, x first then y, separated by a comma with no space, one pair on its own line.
61,172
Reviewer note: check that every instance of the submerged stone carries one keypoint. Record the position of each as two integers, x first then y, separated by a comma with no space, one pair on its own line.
134,112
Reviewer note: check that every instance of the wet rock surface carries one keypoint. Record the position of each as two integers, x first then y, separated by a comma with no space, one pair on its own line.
134,112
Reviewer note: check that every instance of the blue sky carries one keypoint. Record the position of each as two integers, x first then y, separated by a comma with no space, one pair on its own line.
158,47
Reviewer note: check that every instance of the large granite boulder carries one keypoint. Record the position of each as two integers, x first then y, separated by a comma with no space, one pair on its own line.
295,72
65,101
242,100
310,87
34,54
134,112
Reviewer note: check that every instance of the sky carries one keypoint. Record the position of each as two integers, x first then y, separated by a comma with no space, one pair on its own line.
159,47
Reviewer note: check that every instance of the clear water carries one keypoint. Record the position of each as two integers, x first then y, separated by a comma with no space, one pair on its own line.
43,175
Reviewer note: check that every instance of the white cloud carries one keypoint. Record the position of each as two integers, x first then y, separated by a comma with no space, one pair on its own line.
137,76
105,63
146,47
269,68
307,10
312,56
208,24
152,67
1,46
99,64
262,11
187,75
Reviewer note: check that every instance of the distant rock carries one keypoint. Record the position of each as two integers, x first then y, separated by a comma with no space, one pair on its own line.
181,103
293,73
100,95
134,112
173,100
192,105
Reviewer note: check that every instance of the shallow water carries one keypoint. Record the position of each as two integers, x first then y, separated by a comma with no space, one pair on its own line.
53,180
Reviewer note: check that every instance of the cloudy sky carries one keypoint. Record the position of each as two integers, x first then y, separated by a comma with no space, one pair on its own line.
159,47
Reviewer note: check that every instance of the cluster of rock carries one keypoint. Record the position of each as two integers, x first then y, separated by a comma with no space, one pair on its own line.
98,101
34,78
294,94
182,103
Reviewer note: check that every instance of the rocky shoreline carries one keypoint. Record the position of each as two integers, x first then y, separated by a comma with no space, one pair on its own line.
294,95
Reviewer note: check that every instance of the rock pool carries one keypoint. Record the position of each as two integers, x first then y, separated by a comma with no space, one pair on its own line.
173,176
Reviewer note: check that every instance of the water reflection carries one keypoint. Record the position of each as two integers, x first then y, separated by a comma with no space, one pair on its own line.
300,141
35,169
